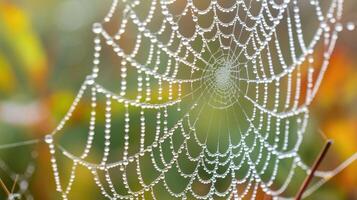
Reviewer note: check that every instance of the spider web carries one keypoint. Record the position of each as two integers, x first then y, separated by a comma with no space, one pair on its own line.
212,101
22,180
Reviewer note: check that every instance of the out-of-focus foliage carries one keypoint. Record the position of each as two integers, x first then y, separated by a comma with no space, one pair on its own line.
335,108
23,57
46,52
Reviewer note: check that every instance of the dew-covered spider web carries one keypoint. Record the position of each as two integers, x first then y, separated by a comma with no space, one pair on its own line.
210,98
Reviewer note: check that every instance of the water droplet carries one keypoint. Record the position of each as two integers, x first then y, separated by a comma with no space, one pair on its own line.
350,26
97,28
339,27
49,139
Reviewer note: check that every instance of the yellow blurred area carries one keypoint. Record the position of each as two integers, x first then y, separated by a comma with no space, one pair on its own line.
343,131
17,32
7,76
60,107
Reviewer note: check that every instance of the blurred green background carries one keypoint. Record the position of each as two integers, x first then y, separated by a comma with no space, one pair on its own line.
46,49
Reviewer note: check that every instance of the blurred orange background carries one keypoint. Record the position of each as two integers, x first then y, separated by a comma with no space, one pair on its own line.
46,52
